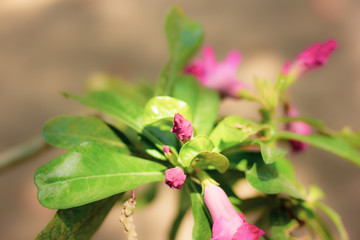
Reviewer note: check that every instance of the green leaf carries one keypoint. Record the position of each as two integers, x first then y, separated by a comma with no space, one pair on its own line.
335,218
68,131
91,172
275,178
137,92
164,108
120,107
78,223
232,131
211,160
330,144
193,147
204,103
183,205
271,153
281,224
202,217
198,152
184,37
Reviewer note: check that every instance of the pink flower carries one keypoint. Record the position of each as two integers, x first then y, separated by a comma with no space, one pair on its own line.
228,224
298,127
175,177
182,128
219,76
313,57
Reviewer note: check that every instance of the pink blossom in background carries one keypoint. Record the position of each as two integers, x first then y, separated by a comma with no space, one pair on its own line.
298,127
228,224
316,55
219,76
182,128
175,177
312,57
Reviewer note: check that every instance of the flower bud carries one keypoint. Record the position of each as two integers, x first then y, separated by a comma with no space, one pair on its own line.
298,127
175,177
182,128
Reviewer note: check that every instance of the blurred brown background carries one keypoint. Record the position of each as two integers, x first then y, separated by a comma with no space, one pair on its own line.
48,46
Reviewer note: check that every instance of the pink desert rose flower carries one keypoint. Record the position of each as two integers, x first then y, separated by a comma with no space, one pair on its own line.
175,177
298,127
228,224
219,76
313,57
182,128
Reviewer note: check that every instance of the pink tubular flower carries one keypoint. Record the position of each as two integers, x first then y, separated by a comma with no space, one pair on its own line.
228,224
313,57
175,177
182,128
298,127
219,76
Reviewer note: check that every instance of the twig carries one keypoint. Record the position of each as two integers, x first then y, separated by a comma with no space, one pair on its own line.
22,152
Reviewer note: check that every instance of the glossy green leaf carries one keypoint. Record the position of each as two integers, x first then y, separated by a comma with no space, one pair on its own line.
211,160
69,131
335,218
274,178
202,217
333,145
198,151
271,153
184,37
193,147
233,130
164,108
120,107
91,172
204,103
78,223
281,225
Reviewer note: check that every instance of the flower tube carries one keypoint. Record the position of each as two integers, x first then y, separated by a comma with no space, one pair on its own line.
228,224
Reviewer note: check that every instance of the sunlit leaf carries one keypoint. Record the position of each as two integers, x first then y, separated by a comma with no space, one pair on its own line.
331,144
69,131
91,172
164,108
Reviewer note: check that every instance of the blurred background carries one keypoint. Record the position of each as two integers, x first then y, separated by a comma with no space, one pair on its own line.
48,46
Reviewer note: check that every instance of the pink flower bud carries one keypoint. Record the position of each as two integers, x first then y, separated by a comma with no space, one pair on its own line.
219,76
228,224
182,128
166,150
298,127
175,177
